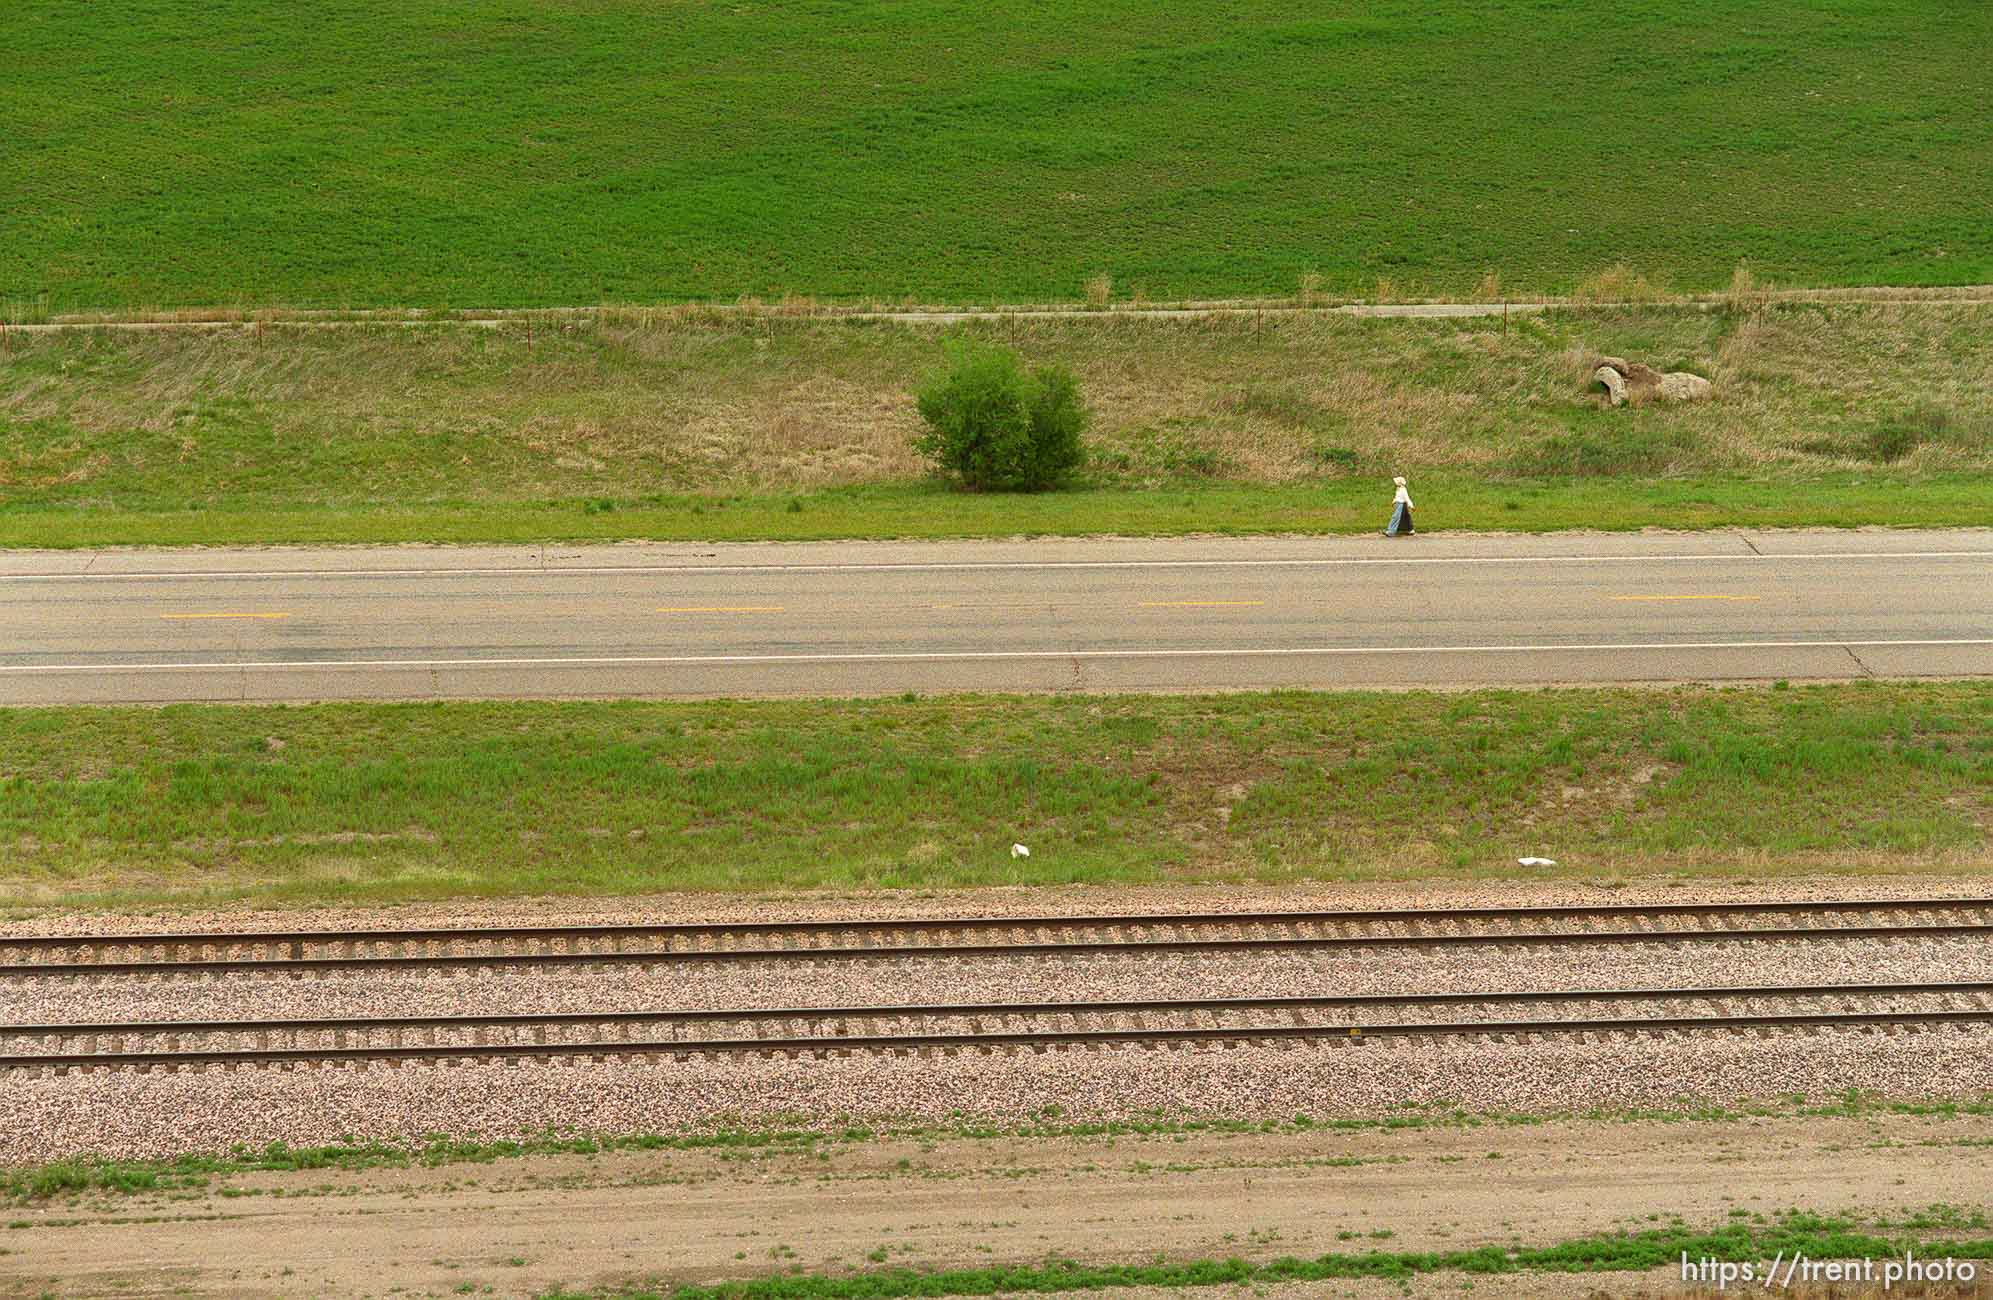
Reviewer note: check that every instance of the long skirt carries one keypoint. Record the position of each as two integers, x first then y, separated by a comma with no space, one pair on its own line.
1401,521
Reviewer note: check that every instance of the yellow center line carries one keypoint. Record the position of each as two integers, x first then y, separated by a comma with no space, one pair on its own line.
719,609
1194,604
1686,598
224,615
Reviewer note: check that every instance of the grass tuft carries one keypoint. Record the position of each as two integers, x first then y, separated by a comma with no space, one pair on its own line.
1745,294
1618,283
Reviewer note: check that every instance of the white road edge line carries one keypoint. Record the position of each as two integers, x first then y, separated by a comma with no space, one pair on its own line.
162,575
599,661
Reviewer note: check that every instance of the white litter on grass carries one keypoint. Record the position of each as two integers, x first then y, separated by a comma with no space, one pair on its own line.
1019,851
1536,862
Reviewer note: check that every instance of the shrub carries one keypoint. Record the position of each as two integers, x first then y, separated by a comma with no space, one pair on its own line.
995,427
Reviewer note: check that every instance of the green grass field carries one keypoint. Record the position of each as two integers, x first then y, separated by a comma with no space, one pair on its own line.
169,152
339,802
688,427
924,511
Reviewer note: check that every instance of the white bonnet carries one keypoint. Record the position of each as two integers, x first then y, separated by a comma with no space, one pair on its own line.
1399,481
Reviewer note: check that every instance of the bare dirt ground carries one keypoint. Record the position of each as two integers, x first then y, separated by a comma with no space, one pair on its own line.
522,1227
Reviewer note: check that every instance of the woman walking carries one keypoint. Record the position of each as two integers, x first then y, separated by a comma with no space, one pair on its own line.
1401,512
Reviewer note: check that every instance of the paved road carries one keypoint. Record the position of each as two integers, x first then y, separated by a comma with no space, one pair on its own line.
836,618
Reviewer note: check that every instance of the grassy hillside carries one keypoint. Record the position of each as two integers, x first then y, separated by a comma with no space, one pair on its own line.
694,426
496,152
382,801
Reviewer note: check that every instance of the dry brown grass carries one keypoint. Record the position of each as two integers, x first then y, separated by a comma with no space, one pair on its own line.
1618,283
1745,293
1604,287
1963,293
1099,290
197,315
675,399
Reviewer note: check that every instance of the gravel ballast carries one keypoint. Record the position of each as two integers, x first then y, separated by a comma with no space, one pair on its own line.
133,1114
136,1115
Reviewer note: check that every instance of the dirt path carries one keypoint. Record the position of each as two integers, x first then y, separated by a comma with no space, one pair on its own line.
521,1227
223,318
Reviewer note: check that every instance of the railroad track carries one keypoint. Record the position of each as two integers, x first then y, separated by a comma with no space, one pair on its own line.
987,1027
410,950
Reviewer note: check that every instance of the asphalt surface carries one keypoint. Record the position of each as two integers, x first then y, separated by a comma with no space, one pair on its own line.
1036,615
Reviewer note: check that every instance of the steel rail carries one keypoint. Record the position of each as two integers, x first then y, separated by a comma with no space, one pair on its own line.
969,1010
711,929
1351,1033
296,942
666,956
